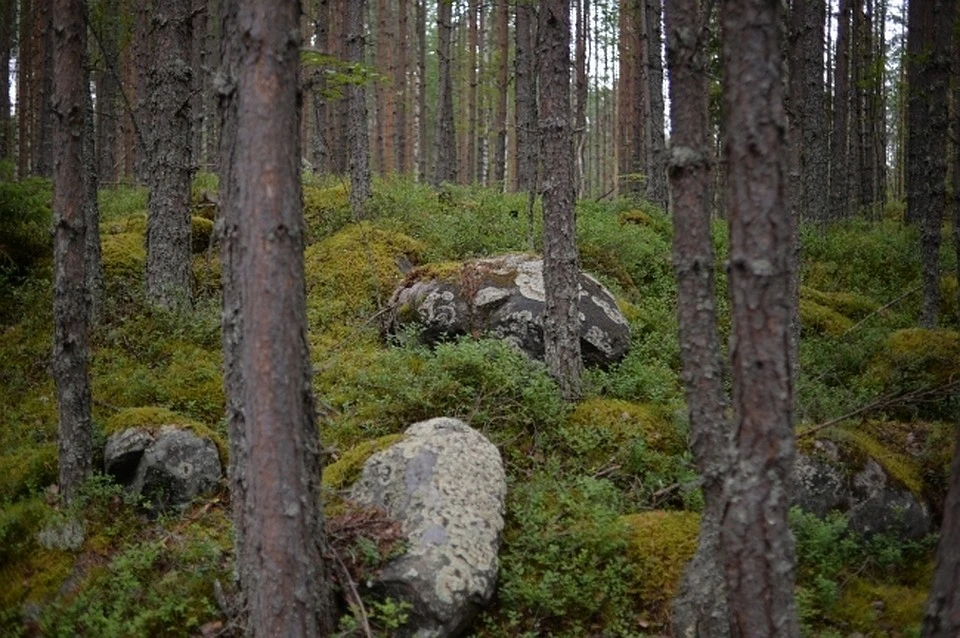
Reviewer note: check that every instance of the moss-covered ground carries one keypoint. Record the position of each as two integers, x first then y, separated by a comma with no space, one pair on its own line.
603,500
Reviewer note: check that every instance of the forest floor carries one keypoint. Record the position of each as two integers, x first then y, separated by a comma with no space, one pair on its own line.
603,498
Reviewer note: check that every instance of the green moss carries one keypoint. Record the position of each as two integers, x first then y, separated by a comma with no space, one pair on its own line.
325,209
346,470
661,544
124,256
200,231
36,578
878,609
948,297
447,271
606,262
601,427
858,444
153,418
848,304
130,223
822,319
28,469
353,273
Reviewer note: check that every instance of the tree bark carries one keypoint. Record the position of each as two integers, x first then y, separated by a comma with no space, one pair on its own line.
400,88
928,69
445,144
8,21
43,159
561,267
168,216
71,303
841,98
423,143
700,607
358,140
942,616
274,448
526,96
580,94
656,169
108,93
500,124
756,544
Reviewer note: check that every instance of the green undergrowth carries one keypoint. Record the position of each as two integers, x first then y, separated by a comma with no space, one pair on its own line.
603,500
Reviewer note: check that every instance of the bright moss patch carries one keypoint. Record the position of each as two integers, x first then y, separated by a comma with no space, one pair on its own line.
661,544
928,356
822,319
602,427
857,445
353,273
153,418
347,469
879,609
325,209
604,261
28,469
848,304
124,256
200,231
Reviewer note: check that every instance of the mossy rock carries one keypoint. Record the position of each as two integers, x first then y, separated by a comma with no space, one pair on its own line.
601,429
201,229
153,418
350,274
124,256
857,444
660,546
917,357
822,319
347,469
879,609
28,469
848,304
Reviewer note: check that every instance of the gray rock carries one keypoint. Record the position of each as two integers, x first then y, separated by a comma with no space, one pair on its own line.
504,297
873,501
123,451
176,468
444,483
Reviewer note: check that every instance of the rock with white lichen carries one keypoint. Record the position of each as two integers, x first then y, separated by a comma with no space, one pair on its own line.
444,483
503,297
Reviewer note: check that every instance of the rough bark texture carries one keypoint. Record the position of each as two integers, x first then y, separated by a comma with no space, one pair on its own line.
580,94
91,210
400,87
358,137
526,97
108,93
24,105
700,607
445,144
756,544
274,448
808,116
71,304
656,169
942,616
632,94
423,145
955,150
43,159
561,267
500,126
928,71
841,132
320,151
168,215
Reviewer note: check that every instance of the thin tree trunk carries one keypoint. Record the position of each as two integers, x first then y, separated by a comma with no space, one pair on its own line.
274,449
841,99
561,267
700,607
168,218
321,152
25,107
423,145
656,170
500,126
108,93
755,540
43,164
526,97
91,210
942,616
358,140
580,94
445,144
400,88
8,21
71,305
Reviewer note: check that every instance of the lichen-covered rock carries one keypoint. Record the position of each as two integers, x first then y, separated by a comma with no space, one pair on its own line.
504,297
444,482
873,500
169,467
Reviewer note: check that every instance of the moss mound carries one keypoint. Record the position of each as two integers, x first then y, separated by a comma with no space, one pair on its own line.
924,356
848,304
661,544
153,418
822,319
201,229
861,442
124,256
326,209
347,469
28,469
879,609
353,273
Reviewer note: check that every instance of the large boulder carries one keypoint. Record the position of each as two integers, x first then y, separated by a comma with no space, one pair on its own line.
169,468
444,483
504,297
873,500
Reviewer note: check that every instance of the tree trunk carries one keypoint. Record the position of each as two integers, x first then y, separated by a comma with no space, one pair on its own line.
8,21
526,97
400,88
814,152
25,106
500,125
423,143
91,209
358,137
942,616
928,71
756,544
580,94
168,218
274,449
43,160
632,105
71,303
445,145
108,93
841,131
656,171
561,267
700,607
